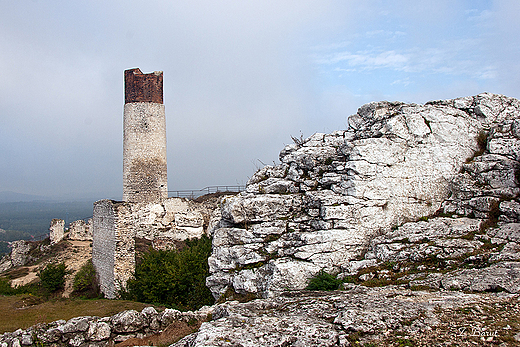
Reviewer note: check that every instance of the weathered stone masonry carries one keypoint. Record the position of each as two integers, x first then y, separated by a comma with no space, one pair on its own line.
144,138
113,246
56,230
116,225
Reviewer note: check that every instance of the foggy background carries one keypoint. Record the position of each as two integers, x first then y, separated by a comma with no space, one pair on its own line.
240,78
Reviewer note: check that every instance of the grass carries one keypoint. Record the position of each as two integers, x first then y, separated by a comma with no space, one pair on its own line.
25,310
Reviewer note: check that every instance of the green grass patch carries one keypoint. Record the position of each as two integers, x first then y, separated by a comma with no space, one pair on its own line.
24,310
324,281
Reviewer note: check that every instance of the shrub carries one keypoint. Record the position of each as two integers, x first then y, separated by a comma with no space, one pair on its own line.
85,282
53,277
5,287
324,281
173,278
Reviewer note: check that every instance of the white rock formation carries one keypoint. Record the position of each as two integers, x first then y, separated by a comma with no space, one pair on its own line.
333,193
18,256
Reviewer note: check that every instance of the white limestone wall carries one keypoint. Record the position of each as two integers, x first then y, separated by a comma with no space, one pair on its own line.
80,230
113,245
144,152
56,230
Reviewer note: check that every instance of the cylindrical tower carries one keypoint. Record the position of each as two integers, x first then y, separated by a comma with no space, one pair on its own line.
144,138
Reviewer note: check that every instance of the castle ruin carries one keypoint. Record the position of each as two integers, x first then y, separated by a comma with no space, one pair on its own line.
144,180
146,212
144,138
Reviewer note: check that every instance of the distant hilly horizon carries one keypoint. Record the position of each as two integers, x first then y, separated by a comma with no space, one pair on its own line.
10,196
24,216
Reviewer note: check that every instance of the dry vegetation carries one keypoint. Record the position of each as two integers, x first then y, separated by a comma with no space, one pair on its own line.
24,310
172,334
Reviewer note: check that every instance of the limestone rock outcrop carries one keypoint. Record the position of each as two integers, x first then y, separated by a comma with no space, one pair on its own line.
333,194
18,256
359,316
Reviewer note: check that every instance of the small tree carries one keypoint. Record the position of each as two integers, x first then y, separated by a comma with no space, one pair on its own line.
53,277
85,282
173,278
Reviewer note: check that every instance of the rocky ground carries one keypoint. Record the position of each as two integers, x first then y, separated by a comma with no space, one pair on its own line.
363,316
355,316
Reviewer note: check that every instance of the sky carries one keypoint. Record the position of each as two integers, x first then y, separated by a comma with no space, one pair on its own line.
240,78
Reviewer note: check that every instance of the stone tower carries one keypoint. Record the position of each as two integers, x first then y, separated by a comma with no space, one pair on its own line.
144,138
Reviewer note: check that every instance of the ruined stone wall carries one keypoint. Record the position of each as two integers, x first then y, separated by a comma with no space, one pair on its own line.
101,331
80,230
112,245
116,225
57,230
124,257
174,219
144,138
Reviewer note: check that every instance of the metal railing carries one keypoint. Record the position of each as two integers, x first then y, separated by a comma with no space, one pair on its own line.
195,193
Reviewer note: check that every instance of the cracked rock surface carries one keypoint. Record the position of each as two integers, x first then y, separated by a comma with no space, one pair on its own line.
358,315
336,199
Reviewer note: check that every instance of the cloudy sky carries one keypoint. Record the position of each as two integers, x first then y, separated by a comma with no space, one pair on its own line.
240,78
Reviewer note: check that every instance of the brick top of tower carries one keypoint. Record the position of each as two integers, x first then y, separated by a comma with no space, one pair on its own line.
141,87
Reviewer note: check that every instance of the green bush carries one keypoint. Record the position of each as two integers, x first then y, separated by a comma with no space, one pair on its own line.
324,281
173,278
52,277
85,282
5,287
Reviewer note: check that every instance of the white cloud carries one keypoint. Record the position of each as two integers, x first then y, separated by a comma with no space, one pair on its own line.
456,57
366,60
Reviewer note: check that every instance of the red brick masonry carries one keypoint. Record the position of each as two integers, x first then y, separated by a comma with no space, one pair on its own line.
141,87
